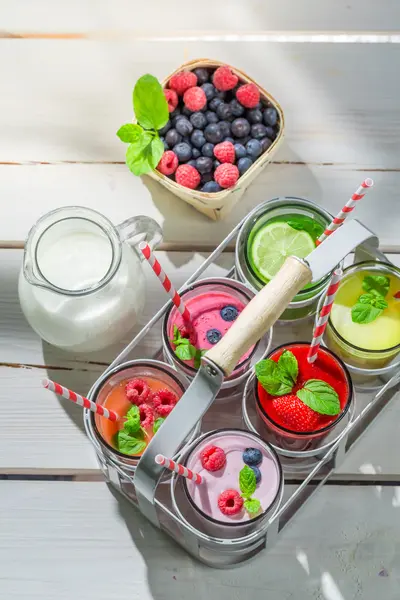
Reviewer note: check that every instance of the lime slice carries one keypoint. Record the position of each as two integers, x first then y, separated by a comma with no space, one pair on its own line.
274,243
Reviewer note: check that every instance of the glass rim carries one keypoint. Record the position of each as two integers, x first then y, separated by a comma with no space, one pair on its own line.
160,367
312,205
330,425
277,463
355,267
207,281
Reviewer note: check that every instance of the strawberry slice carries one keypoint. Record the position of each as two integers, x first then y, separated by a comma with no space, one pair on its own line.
296,415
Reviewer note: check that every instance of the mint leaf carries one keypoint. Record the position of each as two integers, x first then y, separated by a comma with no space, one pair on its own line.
185,351
320,396
138,155
133,412
305,224
128,444
132,423
157,150
288,364
247,482
374,300
197,358
157,424
177,334
149,103
129,133
252,505
376,283
364,313
273,379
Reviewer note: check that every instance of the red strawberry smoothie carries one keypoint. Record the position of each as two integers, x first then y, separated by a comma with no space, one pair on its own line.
212,314
205,496
326,368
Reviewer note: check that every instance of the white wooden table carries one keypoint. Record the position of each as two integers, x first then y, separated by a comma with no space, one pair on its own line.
67,71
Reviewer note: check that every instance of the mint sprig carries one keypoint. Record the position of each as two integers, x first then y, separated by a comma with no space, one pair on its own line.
278,378
247,485
129,444
252,505
379,284
151,110
157,424
320,396
370,306
185,350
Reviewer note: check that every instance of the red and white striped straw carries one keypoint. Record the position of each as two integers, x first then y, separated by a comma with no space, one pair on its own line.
178,468
81,400
164,280
324,315
346,210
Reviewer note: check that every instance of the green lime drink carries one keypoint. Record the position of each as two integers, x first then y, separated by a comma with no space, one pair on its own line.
277,229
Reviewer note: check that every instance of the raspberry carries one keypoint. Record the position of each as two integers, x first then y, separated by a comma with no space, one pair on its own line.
137,391
163,402
226,175
146,416
194,99
213,458
225,152
230,502
182,81
224,79
296,415
168,163
248,95
172,99
187,176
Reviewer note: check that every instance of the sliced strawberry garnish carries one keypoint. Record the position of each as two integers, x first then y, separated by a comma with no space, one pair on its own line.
296,415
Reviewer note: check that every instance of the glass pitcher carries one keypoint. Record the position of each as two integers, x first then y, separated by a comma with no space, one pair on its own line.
81,286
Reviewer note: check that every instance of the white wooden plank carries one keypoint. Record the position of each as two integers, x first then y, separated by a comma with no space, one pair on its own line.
30,191
340,100
75,540
22,16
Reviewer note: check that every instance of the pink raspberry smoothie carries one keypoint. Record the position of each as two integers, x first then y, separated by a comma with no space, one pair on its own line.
234,443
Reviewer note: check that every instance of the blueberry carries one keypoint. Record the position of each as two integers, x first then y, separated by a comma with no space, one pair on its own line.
225,127
236,108
211,187
166,147
186,140
270,116
221,95
209,90
229,139
172,138
229,313
244,164
257,473
216,163
244,140
206,178
198,120
184,126
213,133
224,111
211,117
175,113
270,132
240,151
213,336
208,150
186,111
254,115
204,164
258,131
164,129
240,127
183,152
192,163
196,153
265,143
176,119
215,102
202,75
197,138
253,148
252,456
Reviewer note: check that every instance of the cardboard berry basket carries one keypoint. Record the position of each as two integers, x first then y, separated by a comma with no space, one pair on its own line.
217,206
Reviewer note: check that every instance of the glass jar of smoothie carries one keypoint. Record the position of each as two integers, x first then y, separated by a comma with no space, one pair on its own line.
143,393
274,230
311,404
214,304
81,286
241,487
364,324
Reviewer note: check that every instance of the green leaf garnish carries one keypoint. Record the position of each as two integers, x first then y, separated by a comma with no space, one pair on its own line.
132,423
149,103
157,150
273,378
138,155
247,482
376,283
288,364
252,505
129,133
305,224
157,424
320,396
185,350
128,444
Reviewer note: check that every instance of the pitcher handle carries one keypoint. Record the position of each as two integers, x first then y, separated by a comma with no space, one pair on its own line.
142,228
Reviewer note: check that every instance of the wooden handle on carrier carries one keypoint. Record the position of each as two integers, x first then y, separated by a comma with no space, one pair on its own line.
260,314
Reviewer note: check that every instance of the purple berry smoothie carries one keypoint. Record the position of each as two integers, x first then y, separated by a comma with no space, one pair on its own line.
234,443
